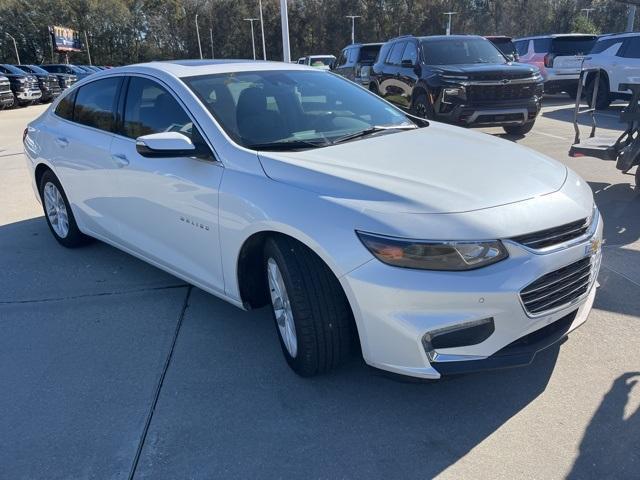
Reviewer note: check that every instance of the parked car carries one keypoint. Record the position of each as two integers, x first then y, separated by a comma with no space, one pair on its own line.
47,82
617,57
434,249
506,46
89,68
559,58
323,62
65,80
78,72
355,62
23,85
460,79
6,95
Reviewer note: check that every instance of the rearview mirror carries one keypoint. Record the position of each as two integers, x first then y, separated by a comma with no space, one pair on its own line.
165,144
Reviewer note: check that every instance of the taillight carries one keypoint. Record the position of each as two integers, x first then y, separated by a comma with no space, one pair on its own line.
548,60
24,134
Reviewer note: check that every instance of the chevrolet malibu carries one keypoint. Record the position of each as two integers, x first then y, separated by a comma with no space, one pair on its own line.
431,249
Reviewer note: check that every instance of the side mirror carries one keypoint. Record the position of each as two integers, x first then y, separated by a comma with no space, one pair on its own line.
165,145
407,64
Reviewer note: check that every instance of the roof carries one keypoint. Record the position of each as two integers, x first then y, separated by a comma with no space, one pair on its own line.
188,68
557,35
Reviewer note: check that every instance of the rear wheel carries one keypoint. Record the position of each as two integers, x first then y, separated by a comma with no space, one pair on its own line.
422,107
310,310
572,92
58,213
519,129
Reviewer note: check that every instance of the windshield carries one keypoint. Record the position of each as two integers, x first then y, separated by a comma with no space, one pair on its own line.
11,69
36,69
369,53
460,51
305,109
569,46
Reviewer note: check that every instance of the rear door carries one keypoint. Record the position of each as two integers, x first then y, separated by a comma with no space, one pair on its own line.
626,65
80,144
390,85
408,73
170,211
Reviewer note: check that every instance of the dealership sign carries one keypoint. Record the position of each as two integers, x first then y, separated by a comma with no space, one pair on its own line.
65,39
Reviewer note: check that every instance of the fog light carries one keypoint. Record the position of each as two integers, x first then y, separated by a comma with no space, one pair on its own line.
460,335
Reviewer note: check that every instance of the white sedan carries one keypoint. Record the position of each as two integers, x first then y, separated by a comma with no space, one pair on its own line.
429,248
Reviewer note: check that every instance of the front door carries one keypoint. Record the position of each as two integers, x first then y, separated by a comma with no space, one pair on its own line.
170,205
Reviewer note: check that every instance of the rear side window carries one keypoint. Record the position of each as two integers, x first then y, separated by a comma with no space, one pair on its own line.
64,109
95,104
149,108
522,47
395,55
605,44
541,45
569,46
631,48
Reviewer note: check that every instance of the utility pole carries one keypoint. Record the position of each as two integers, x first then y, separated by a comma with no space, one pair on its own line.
264,48
211,36
587,11
253,40
449,14
284,17
86,42
353,26
15,46
198,35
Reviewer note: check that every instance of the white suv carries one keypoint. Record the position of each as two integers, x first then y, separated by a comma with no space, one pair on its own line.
618,58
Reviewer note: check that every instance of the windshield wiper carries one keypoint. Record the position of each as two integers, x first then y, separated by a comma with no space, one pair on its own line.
372,130
288,145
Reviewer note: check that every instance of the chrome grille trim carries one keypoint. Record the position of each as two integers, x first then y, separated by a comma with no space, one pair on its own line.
561,288
552,236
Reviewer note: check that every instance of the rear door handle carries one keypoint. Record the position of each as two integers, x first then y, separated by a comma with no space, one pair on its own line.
120,159
62,142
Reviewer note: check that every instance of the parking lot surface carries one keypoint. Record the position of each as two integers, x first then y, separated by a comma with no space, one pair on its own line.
111,368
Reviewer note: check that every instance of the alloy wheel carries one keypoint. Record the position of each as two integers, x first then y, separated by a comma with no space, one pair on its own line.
56,210
282,308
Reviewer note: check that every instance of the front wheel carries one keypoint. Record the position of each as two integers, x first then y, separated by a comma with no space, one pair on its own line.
58,212
603,97
519,129
310,310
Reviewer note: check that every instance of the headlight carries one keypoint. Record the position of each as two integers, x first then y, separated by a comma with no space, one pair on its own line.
428,255
456,92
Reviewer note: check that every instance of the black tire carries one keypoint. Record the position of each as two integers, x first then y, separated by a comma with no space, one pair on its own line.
572,92
603,99
373,88
638,180
324,326
421,107
74,237
519,129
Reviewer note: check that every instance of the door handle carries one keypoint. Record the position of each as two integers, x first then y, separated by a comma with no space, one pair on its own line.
62,142
120,159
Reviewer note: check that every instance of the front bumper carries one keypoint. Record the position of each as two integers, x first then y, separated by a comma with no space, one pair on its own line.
495,114
560,85
28,95
394,309
6,99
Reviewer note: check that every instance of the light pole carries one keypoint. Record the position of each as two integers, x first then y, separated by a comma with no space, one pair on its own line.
86,42
211,36
353,26
264,48
449,14
15,46
587,11
284,17
198,35
253,40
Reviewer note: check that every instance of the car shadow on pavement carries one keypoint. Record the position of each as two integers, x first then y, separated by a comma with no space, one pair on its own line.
614,431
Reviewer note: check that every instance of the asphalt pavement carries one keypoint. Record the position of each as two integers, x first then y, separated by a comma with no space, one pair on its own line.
113,369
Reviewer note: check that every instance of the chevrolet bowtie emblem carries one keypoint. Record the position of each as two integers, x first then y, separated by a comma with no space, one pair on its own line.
505,81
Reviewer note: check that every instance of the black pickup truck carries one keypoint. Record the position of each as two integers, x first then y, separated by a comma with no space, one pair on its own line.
6,95
48,82
459,79
23,85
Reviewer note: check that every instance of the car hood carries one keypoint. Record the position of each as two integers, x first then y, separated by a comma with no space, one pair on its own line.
490,71
436,169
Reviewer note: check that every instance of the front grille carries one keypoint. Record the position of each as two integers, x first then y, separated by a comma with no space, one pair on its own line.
490,93
5,86
555,235
558,288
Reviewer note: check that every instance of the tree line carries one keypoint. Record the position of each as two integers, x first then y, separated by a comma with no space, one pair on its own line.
128,31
